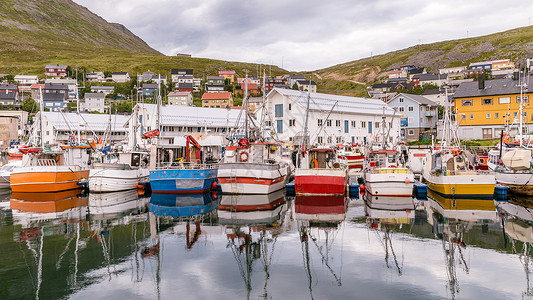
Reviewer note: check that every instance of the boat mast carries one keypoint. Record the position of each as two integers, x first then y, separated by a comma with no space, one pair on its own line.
245,106
445,129
158,109
306,127
520,111
78,111
42,117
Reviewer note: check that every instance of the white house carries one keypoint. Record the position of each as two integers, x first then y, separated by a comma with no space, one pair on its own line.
106,90
95,76
351,119
306,85
60,127
93,102
25,81
180,98
120,77
178,121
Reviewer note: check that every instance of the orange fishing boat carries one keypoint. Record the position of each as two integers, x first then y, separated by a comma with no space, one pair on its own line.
44,171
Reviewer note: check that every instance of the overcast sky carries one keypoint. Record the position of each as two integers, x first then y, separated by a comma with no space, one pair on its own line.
306,35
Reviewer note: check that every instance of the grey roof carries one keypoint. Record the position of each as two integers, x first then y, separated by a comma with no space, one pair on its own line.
345,104
54,97
416,71
8,86
417,98
120,73
94,95
156,77
396,80
215,78
306,82
103,88
150,86
55,67
185,85
492,87
195,116
529,56
94,122
52,86
8,96
383,85
182,71
426,77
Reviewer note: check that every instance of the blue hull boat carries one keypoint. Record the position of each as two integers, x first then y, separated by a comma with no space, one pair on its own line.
183,181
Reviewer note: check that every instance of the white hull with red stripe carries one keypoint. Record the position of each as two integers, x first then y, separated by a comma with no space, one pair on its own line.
251,178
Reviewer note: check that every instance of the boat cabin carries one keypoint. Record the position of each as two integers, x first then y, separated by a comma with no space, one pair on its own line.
322,158
77,155
384,159
442,162
254,153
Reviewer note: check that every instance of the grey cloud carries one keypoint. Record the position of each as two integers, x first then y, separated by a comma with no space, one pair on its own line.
307,34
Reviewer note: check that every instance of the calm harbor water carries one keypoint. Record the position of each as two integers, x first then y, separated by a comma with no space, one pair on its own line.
126,246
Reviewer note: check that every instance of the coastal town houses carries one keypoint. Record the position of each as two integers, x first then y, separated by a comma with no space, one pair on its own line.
150,76
70,83
214,88
175,74
95,76
332,119
25,81
120,77
57,71
397,74
453,72
217,100
434,79
419,116
93,102
54,101
9,98
271,83
149,89
306,85
177,122
106,90
229,75
485,108
58,127
36,89
291,79
215,80
180,98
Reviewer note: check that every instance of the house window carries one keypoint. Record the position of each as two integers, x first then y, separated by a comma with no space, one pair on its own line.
292,122
411,132
400,100
279,126
402,108
496,115
411,108
376,125
428,108
330,140
328,123
471,116
488,116
363,124
278,110
486,101
467,102
290,106
319,122
421,108
525,98
504,100
320,140
338,123
354,123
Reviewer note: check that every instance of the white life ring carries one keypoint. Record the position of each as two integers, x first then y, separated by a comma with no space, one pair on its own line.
243,156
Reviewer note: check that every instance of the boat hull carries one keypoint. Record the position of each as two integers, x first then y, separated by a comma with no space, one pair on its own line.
182,181
390,182
465,186
44,179
330,182
251,178
518,183
103,180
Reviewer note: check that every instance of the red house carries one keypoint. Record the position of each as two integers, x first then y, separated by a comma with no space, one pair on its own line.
55,71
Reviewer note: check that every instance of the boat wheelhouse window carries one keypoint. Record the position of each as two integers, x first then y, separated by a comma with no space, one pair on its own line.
437,162
467,102
486,101
278,110
504,100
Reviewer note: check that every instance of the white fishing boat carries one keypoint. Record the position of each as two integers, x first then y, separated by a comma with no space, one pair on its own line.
516,172
386,175
5,173
128,169
252,164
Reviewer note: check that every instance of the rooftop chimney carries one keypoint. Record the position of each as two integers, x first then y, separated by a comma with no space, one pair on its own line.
481,81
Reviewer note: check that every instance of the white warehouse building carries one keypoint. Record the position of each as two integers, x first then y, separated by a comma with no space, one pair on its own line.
351,119
60,128
177,121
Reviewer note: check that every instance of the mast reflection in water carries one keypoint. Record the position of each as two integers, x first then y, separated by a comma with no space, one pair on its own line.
121,245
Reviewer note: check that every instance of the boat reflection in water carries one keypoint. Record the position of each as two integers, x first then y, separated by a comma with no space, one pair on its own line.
115,205
386,215
452,219
253,224
182,206
517,219
319,221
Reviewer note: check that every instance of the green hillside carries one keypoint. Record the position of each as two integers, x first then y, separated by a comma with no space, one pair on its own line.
34,33
512,44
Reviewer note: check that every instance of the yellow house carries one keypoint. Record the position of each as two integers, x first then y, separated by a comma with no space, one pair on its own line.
502,64
485,108
217,100
228,75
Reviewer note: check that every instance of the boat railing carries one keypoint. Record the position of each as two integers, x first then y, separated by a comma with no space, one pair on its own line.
46,162
186,165
389,171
